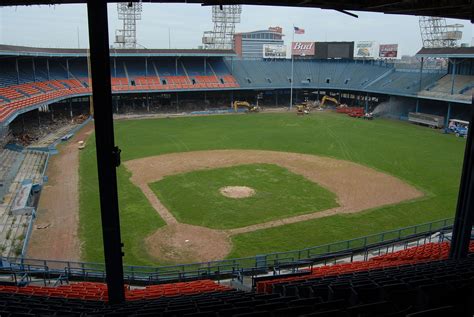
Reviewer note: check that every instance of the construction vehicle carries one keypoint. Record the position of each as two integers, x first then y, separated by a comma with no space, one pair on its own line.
322,104
245,104
368,116
460,128
356,112
302,109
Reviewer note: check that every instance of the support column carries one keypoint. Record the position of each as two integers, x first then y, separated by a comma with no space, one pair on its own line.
67,68
70,109
367,103
108,155
17,68
465,206
453,77
34,69
448,115
421,73
177,103
276,98
146,67
47,68
147,102
417,105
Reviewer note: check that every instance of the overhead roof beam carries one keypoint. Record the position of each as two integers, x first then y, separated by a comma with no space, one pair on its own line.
462,9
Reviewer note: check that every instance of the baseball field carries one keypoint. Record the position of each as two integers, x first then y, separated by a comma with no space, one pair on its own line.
214,187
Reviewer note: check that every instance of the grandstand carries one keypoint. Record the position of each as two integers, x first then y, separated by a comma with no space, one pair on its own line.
59,74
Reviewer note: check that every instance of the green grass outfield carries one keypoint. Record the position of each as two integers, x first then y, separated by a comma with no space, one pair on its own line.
194,197
423,157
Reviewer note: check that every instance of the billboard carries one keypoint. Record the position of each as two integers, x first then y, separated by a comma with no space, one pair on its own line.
274,51
302,48
388,50
365,49
343,50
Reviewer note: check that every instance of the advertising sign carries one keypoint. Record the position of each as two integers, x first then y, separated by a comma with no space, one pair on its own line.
388,50
274,51
302,48
365,49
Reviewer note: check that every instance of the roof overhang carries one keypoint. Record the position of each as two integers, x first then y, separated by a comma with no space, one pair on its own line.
447,52
458,9
11,50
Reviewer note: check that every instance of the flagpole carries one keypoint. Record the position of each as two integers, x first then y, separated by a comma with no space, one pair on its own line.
291,84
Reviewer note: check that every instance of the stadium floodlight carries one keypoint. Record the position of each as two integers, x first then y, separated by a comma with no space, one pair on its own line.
225,17
129,13
435,32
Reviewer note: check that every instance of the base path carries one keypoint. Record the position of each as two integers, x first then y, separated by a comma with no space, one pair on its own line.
357,188
55,231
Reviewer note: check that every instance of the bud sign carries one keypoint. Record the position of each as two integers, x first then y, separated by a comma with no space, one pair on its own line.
302,48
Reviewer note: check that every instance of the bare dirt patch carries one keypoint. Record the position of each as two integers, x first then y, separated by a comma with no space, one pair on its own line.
182,243
237,191
55,234
357,188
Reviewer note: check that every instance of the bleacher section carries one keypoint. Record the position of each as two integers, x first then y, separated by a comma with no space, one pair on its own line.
22,166
329,74
404,81
462,89
428,286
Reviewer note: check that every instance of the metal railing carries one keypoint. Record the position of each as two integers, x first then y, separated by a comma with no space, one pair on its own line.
228,268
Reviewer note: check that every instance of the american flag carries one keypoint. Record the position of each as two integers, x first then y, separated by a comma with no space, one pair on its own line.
298,30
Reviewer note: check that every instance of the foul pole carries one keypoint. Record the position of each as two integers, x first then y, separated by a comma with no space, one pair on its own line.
291,52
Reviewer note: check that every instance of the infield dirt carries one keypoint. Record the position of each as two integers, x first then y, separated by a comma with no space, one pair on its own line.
357,188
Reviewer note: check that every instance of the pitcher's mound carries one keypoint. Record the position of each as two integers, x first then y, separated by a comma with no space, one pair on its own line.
237,191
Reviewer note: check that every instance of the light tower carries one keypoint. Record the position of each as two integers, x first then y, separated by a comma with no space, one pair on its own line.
129,13
225,18
435,32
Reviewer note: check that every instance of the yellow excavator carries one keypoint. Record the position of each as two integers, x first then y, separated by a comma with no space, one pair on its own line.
322,104
304,108
245,104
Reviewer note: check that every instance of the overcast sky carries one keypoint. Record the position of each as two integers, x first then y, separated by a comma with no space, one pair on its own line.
59,26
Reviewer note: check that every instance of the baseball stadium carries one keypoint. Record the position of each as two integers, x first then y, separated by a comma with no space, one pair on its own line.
235,179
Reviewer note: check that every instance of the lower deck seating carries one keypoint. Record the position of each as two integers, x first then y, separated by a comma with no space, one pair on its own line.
435,288
98,291
425,252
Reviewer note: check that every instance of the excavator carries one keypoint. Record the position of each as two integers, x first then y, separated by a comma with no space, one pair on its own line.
304,108
328,98
245,104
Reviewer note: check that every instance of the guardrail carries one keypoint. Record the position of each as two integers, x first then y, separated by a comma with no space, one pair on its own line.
227,268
